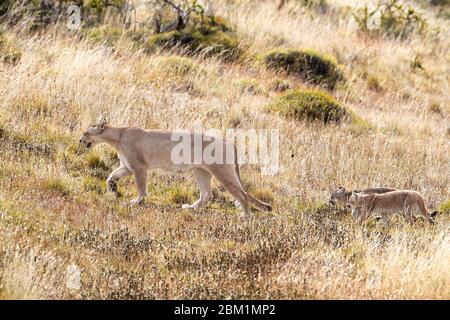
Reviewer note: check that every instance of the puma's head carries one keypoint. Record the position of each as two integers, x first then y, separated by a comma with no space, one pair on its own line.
91,136
339,196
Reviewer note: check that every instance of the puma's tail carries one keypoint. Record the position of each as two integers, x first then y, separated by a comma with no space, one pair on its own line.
258,203
250,199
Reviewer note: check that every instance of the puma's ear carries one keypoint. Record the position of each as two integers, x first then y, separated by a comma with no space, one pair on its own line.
101,124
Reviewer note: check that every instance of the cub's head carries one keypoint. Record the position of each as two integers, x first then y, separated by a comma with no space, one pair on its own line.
354,200
92,135
339,196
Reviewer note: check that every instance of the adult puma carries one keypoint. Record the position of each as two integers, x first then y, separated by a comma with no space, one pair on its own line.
140,150
404,202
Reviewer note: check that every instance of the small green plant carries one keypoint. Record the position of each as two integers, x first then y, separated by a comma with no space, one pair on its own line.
94,161
445,207
279,85
105,34
178,66
178,195
390,18
374,83
56,185
312,66
309,105
92,184
9,53
249,86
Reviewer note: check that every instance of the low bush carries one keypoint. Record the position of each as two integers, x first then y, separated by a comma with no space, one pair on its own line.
105,34
249,86
209,35
445,207
308,64
309,105
177,65
56,185
390,18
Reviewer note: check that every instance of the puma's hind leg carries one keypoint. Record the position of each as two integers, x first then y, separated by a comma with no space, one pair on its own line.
203,179
140,175
230,180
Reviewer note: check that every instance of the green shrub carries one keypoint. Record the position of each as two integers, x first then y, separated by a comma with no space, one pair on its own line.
208,34
105,34
390,18
95,162
249,86
308,64
373,83
309,105
9,53
445,207
178,195
178,66
56,185
92,184
278,85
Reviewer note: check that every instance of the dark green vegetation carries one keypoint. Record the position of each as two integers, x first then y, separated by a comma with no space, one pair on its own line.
309,105
312,66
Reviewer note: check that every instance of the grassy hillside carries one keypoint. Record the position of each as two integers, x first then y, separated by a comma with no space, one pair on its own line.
54,215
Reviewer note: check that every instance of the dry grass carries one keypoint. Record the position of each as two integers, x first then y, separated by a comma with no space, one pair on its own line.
53,212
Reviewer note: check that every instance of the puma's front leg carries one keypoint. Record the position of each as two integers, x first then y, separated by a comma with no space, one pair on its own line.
114,177
203,178
140,176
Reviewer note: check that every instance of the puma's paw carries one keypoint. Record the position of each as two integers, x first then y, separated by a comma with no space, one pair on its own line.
244,216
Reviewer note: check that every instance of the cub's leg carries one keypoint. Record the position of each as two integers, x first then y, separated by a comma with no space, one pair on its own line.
228,177
363,215
140,176
114,177
356,212
203,179
385,219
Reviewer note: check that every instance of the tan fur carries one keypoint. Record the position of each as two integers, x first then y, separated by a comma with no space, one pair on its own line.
140,150
341,196
404,202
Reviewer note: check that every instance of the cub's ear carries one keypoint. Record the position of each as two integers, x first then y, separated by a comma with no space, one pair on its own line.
341,189
101,124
